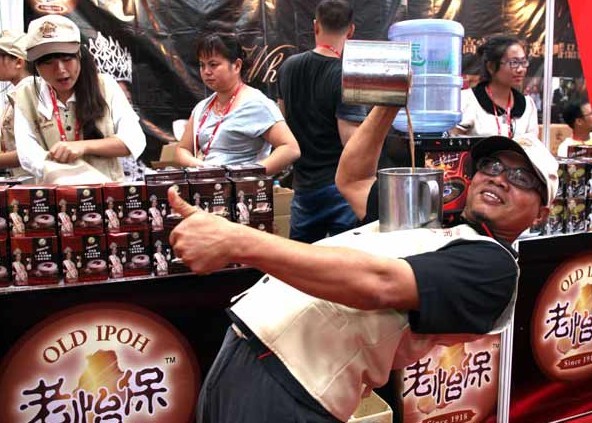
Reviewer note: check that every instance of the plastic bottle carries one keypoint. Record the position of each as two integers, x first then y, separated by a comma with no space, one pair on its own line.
276,185
434,100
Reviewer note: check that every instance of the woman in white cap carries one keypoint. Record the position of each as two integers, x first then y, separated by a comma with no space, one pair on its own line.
14,68
72,124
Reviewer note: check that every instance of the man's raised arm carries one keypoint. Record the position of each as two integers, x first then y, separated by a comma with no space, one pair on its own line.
356,172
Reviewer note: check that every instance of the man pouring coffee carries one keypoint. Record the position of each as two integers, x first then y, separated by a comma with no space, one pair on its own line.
330,320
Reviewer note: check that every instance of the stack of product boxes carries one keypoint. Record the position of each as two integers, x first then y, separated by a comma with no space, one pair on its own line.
163,218
80,227
571,210
253,196
126,225
33,234
5,265
86,233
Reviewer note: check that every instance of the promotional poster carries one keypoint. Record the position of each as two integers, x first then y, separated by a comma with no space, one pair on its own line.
552,352
455,384
100,362
149,46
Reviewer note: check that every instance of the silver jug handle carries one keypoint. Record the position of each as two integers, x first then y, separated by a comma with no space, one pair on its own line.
435,199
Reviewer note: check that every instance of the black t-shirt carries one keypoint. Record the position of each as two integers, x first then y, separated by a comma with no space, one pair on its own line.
310,86
464,287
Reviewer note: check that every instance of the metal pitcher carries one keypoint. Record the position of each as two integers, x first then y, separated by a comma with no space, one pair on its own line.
409,198
376,72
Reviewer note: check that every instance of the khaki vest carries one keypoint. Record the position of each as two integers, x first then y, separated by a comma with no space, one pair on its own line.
7,133
48,134
336,352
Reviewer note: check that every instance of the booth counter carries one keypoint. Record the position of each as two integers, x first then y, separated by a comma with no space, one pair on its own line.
138,348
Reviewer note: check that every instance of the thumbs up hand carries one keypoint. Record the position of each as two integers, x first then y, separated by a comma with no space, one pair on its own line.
205,242
179,205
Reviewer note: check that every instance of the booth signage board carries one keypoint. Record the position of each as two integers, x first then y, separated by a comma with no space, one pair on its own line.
132,351
552,344
453,384
111,361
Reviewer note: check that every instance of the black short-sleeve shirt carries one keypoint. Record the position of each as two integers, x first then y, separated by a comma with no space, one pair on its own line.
463,287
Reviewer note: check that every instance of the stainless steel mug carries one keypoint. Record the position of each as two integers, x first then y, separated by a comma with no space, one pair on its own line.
376,72
409,198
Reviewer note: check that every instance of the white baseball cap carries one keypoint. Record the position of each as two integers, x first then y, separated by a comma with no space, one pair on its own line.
535,151
52,34
14,43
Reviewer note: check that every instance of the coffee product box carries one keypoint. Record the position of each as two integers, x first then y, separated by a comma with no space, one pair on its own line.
3,212
262,222
16,180
5,265
213,195
84,258
160,213
588,178
562,177
575,215
240,171
128,254
589,215
253,196
556,220
35,260
577,151
205,172
164,175
125,207
32,210
575,185
80,210
164,261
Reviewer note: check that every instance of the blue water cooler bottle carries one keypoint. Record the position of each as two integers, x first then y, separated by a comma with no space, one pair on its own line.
434,99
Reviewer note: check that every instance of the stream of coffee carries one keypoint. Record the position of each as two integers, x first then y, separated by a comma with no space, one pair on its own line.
411,139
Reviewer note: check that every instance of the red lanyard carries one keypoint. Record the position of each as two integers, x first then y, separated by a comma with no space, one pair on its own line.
58,118
330,47
508,113
206,149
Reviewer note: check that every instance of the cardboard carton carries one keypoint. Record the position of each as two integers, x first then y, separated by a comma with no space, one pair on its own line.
372,409
282,201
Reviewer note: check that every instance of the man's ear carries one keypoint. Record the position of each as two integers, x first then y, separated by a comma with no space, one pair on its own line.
316,27
541,217
350,31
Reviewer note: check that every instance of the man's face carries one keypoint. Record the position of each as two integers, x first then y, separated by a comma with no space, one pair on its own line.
507,209
587,117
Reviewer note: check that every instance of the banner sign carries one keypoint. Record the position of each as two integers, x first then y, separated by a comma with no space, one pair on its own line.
100,362
552,351
582,22
150,46
130,351
454,384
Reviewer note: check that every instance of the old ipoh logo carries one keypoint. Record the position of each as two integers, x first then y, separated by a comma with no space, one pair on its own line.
100,362
457,383
561,322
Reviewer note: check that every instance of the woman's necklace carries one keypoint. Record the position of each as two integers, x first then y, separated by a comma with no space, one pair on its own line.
212,105
507,116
